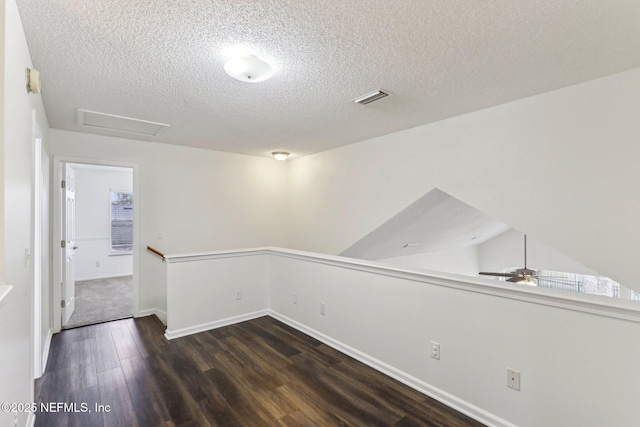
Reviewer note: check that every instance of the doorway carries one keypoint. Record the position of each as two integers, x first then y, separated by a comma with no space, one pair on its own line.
97,228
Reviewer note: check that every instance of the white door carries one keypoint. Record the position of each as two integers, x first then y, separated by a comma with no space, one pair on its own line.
69,249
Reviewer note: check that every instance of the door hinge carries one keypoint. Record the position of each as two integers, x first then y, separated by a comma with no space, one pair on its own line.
63,244
63,184
63,303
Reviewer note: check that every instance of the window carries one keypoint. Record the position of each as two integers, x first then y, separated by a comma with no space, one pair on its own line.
583,283
121,222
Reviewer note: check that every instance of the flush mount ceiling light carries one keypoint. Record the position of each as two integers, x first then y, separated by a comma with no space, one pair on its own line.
280,155
248,69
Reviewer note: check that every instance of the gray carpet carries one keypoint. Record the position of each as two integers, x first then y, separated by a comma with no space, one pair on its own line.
102,300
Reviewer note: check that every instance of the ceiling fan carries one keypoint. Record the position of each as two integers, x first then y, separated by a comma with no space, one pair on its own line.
520,275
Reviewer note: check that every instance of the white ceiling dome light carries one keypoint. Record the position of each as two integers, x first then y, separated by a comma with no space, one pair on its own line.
248,69
280,155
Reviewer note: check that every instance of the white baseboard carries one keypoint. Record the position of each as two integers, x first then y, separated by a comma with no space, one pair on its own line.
214,325
45,351
409,380
108,276
162,315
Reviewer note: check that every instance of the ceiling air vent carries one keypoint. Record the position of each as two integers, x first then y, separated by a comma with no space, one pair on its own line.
92,119
371,97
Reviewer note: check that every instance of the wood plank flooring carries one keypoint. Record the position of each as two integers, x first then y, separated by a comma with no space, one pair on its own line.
256,373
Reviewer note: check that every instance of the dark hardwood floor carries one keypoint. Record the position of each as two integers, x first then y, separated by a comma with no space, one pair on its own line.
257,373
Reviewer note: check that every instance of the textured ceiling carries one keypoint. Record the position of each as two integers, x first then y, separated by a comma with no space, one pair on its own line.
161,60
436,221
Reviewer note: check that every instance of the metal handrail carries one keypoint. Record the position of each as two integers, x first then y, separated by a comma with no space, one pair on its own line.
560,283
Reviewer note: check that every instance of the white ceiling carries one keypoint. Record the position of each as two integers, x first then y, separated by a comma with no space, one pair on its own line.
436,221
161,60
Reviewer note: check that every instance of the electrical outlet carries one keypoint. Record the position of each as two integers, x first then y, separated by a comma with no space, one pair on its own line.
513,379
435,350
238,295
159,235
295,299
322,308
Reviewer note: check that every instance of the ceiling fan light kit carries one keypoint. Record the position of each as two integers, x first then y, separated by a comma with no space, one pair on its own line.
524,275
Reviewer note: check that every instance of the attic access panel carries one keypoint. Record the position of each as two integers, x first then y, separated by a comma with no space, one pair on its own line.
96,120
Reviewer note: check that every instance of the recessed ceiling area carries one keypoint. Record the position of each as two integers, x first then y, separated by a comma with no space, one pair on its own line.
163,62
434,222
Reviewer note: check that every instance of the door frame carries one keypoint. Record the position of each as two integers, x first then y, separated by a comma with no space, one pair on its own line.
36,246
56,226
68,266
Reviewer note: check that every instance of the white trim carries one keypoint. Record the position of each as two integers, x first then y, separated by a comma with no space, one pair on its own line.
45,351
34,259
214,325
162,315
200,256
31,419
111,253
442,396
108,276
591,304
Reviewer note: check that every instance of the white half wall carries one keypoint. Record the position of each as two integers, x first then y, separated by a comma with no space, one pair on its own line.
576,353
392,320
560,166
46,315
208,293
93,222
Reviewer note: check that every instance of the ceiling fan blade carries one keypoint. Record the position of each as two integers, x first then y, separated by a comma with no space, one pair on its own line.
516,279
484,273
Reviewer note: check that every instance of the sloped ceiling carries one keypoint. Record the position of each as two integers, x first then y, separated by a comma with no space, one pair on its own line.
162,61
436,221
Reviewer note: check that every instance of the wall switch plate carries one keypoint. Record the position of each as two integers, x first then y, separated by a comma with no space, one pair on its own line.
238,295
97,263
435,350
295,298
322,308
513,379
